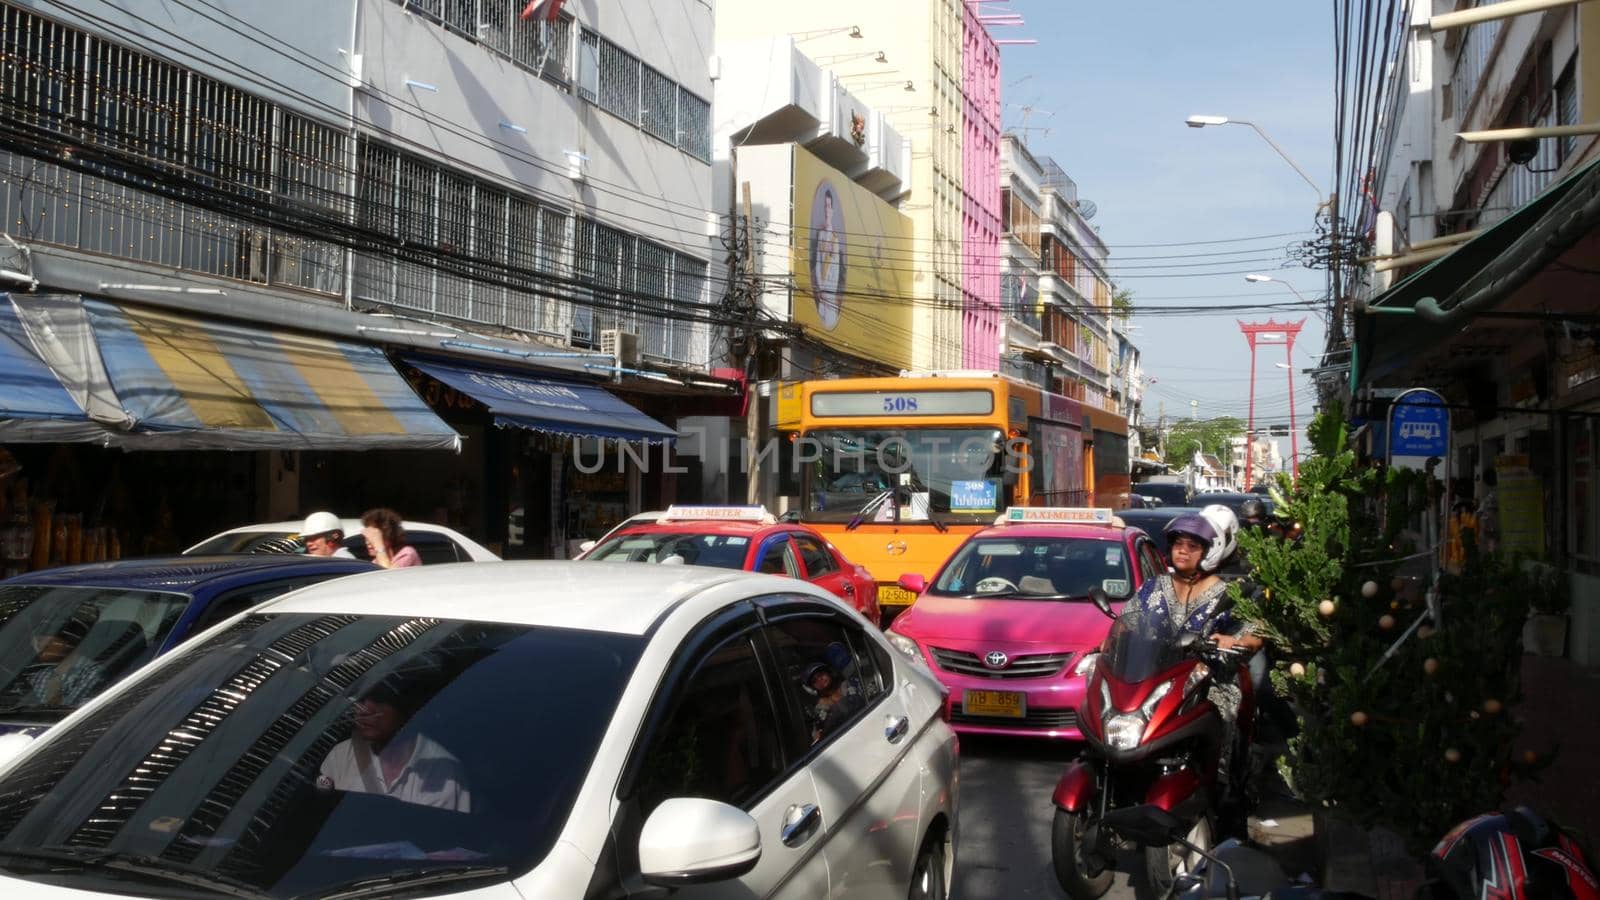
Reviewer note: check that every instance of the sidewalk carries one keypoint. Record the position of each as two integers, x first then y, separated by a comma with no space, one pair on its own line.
1561,706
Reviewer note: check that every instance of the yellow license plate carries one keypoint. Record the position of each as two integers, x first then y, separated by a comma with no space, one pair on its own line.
895,596
1006,704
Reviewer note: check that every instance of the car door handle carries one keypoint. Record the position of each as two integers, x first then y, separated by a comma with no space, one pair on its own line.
895,728
799,823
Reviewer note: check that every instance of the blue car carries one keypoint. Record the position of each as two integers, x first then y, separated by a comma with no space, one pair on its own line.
67,634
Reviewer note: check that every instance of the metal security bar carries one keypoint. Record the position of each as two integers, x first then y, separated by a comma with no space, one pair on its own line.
619,82
694,125
658,99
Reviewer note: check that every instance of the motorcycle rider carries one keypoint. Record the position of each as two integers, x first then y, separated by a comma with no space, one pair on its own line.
1185,598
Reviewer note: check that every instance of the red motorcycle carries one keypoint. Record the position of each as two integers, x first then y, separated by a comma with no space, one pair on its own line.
1152,739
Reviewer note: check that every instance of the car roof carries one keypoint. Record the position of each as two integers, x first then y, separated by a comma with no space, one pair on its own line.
183,573
622,598
703,526
1164,513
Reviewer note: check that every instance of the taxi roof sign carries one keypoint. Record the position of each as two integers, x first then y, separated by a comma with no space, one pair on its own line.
718,514
1058,515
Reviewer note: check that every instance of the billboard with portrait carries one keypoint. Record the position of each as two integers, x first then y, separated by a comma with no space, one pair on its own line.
852,265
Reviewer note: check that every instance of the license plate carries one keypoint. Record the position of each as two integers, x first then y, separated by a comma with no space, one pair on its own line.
1004,704
895,596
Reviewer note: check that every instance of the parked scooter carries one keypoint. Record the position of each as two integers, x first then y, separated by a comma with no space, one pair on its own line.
1153,738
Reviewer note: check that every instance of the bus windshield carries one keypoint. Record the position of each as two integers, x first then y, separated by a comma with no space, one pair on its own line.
902,474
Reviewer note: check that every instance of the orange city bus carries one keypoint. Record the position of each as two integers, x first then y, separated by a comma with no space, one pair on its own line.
897,472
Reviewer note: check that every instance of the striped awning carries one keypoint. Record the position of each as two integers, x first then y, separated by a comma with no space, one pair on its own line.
187,382
34,405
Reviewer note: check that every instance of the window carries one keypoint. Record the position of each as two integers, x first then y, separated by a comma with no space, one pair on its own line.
777,558
619,82
818,560
721,739
1566,112
589,66
658,102
230,603
820,672
694,125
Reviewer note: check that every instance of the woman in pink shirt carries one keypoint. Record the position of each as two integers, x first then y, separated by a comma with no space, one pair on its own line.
386,540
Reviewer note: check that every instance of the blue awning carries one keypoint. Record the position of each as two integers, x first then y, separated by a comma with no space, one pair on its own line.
520,400
34,406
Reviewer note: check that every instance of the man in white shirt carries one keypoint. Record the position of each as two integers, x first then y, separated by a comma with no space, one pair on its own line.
323,535
377,759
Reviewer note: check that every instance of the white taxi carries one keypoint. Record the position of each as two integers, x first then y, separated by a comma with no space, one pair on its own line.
529,729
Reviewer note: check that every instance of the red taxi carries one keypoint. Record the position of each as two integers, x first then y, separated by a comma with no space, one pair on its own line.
1007,622
741,537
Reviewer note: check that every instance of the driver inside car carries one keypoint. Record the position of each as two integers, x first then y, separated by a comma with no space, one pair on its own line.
383,756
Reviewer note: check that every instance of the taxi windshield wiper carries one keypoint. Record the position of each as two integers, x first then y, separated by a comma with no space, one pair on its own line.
372,886
144,866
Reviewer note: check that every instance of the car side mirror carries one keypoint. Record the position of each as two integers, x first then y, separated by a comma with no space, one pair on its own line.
1101,601
691,840
586,546
913,582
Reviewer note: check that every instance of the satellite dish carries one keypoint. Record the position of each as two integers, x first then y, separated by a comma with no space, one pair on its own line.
1087,209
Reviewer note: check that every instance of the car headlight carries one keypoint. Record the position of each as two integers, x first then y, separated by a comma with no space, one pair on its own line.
1123,731
905,645
1086,665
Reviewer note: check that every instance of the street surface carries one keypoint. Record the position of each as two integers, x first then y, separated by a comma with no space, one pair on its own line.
1004,848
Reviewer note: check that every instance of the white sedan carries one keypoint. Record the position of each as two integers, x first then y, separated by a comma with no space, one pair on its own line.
434,543
530,729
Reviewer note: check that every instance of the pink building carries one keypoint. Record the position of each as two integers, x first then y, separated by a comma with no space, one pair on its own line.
981,318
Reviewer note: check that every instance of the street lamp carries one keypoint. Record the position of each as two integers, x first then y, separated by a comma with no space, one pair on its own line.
1263,279
1203,121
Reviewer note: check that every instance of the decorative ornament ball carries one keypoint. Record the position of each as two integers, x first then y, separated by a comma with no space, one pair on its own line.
1530,757
1386,622
1358,719
1430,665
1326,608
1473,715
1369,590
1297,670
1398,584
1452,756
1491,706
1394,604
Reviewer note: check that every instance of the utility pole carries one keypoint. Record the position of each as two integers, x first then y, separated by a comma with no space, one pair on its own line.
754,480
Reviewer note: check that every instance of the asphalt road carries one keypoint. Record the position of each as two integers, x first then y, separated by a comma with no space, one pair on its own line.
1004,849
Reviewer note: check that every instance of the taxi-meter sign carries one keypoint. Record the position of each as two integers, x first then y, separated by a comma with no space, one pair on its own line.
717,513
1041,515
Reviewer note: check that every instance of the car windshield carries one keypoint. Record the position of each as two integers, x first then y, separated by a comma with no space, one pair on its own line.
902,474
1044,568
306,754
724,551
1141,644
61,646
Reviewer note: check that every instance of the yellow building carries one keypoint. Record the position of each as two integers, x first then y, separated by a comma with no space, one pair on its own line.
917,85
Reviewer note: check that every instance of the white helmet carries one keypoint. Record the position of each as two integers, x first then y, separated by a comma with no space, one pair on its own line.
1226,525
321,523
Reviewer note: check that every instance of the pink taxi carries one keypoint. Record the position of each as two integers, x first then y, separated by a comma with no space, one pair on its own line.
1007,622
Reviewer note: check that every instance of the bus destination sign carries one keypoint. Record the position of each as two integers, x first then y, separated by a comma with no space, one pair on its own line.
860,404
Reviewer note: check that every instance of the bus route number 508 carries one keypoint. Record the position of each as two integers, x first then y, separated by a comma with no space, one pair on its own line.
899,404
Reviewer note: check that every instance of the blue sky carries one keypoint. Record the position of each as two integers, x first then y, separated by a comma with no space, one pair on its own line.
1113,83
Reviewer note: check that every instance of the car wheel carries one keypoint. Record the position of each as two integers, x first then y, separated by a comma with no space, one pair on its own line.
1080,877
1164,864
929,875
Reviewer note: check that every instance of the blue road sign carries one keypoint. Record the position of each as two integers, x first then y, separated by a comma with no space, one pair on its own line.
1419,425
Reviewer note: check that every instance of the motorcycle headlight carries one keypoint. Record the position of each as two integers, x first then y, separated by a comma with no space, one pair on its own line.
1124,730
1086,665
1148,707
905,645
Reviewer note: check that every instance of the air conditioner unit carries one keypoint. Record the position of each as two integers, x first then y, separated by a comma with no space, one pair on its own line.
623,346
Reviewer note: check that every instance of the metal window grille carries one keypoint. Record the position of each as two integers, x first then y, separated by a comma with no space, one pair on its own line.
1566,112
658,99
461,16
377,212
694,126
653,277
619,82
42,81
312,180
545,47
428,9
589,66
489,250
587,267
1472,59
230,151
454,243
555,240
414,282
496,23
523,246
690,341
